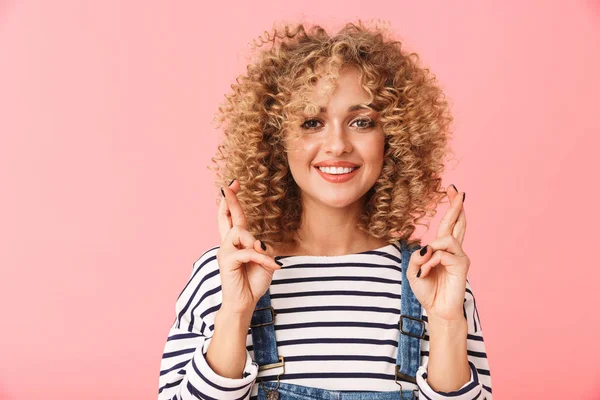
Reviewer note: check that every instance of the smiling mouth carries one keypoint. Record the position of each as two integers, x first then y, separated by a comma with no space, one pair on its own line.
337,170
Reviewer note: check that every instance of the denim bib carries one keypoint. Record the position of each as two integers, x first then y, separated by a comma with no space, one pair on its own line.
411,330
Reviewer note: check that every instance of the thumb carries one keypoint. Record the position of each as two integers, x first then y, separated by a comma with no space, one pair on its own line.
417,259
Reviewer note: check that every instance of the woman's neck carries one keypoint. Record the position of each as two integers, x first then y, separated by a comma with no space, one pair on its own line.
326,231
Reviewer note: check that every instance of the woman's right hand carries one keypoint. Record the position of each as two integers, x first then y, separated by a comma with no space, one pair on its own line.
246,269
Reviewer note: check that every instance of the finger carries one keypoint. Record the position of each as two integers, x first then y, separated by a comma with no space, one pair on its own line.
448,244
234,185
438,258
451,215
224,217
237,214
417,259
460,227
269,250
263,248
452,194
238,239
250,255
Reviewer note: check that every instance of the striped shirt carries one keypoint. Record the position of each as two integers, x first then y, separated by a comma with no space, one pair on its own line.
336,326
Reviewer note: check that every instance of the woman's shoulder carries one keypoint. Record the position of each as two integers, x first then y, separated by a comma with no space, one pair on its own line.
203,278
207,262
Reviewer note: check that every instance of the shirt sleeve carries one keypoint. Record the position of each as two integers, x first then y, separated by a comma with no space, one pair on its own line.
184,372
479,385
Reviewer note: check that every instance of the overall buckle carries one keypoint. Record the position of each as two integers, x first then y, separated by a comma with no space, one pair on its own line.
421,336
281,363
415,392
273,314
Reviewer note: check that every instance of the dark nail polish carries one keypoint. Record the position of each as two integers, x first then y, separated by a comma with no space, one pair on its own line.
231,182
464,195
454,187
222,192
419,274
263,245
423,250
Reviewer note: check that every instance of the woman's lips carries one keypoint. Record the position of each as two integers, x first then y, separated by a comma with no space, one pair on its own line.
338,178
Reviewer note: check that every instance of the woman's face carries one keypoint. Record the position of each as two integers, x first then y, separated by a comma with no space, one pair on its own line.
338,133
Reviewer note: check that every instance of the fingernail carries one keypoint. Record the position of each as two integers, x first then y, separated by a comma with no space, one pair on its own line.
263,245
464,195
452,184
419,273
222,192
423,250
231,182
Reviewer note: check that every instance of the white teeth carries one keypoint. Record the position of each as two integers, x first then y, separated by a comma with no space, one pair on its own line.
336,171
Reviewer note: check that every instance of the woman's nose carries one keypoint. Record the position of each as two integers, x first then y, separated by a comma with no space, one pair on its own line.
336,139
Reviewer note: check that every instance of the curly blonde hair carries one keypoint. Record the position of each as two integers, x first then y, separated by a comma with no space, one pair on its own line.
266,102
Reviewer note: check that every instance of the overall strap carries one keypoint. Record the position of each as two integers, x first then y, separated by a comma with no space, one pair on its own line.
262,326
410,324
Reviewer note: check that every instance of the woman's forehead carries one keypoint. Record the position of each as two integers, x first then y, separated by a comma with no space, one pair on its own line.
345,97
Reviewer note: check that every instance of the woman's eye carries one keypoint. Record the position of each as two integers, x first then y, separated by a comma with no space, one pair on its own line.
309,121
367,123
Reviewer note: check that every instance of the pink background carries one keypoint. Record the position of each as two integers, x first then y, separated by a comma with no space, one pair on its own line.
105,120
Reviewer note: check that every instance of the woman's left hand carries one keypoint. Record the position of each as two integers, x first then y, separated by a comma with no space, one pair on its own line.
441,284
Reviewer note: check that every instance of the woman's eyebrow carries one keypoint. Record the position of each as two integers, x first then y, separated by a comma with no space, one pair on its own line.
350,109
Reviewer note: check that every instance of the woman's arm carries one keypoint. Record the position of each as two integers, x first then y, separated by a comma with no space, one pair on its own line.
448,367
226,354
184,370
442,371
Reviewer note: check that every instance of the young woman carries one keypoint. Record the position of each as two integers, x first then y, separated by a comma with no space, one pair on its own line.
334,147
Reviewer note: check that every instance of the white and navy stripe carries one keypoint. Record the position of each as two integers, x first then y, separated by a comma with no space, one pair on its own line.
336,325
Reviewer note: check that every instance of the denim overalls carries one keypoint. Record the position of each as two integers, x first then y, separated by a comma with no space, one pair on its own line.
411,331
